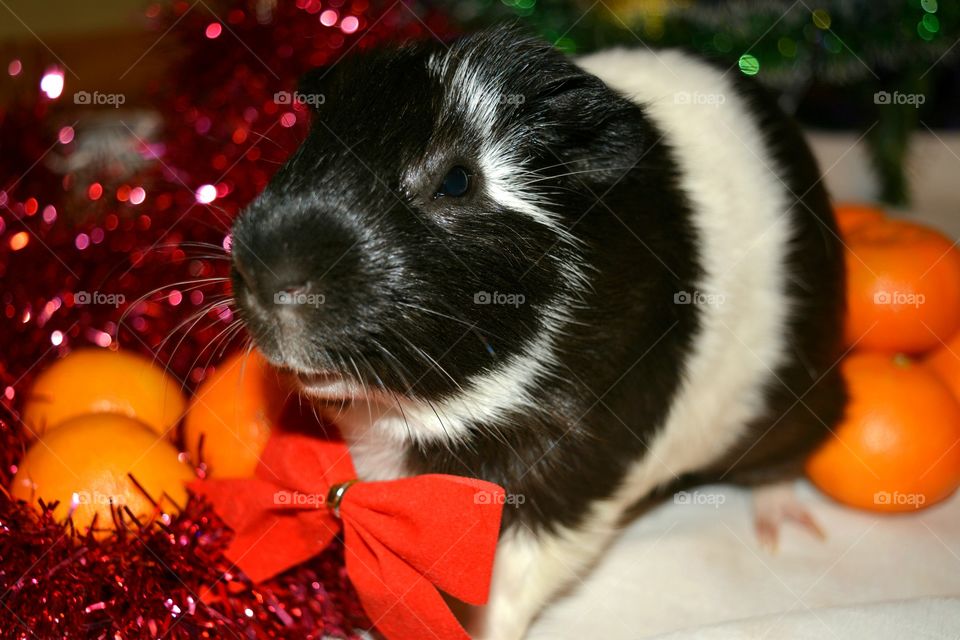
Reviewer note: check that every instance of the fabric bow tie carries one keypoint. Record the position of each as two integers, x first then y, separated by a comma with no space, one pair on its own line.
405,540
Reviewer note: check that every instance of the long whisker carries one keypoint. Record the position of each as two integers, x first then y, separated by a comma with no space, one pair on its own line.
539,170
418,307
224,336
187,333
430,360
196,284
212,304
572,173
190,244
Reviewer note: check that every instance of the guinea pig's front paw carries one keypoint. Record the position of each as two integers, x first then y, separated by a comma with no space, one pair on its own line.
499,630
775,504
494,621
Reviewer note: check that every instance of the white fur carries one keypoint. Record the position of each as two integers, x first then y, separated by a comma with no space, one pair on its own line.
530,569
396,420
480,98
489,397
740,214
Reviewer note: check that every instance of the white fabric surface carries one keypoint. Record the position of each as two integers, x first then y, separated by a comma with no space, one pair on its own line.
695,570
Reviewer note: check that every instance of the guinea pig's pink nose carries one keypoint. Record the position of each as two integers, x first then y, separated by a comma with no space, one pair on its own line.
295,288
288,289
291,292
277,285
286,257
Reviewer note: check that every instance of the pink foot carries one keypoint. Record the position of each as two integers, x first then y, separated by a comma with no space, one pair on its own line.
775,504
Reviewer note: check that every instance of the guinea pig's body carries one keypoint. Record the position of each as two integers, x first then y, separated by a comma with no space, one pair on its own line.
633,286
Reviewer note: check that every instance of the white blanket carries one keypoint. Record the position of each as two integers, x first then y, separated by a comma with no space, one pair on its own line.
693,569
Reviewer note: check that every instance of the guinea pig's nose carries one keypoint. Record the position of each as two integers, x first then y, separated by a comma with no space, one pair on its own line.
283,283
287,286
295,288
286,255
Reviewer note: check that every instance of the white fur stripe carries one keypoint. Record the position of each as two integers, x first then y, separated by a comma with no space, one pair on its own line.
743,230
490,397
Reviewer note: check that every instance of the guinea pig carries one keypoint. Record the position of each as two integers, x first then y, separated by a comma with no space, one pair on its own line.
592,281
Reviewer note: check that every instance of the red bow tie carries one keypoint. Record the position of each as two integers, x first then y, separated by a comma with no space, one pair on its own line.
403,539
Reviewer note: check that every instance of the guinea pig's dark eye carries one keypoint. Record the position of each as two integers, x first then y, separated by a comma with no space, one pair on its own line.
455,184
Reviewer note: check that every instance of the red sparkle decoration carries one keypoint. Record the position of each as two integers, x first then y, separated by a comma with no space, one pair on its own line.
142,225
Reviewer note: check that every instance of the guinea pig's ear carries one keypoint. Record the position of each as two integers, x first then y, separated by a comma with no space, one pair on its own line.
575,114
588,124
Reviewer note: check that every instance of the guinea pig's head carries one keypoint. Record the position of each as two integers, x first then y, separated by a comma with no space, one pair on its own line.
424,234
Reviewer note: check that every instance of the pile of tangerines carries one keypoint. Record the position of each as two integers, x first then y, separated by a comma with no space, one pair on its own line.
898,446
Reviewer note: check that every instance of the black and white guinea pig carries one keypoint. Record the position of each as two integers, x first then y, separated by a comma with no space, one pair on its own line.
590,281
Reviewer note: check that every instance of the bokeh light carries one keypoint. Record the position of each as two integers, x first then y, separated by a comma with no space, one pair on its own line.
350,24
328,18
206,194
52,83
749,65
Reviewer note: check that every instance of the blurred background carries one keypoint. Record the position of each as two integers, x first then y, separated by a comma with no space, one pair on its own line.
881,68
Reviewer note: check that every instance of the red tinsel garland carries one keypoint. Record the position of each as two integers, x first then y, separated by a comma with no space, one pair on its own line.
169,580
144,236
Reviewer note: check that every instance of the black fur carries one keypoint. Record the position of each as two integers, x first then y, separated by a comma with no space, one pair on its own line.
807,396
352,215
